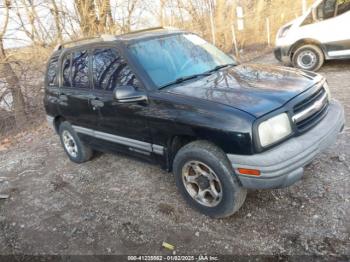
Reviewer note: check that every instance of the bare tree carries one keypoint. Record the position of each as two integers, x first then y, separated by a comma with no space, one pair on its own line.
88,17
105,23
56,15
7,72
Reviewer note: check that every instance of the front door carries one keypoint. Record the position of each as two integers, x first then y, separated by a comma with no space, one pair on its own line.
121,126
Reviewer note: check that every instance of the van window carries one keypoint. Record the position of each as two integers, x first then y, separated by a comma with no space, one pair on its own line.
111,70
308,20
326,9
52,72
343,6
66,70
331,8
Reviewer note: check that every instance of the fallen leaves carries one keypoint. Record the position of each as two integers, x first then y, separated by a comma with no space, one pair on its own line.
5,144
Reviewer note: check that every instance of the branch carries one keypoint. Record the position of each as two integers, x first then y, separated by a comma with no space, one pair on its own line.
7,9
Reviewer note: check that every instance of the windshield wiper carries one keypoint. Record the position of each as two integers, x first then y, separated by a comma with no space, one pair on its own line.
183,79
220,67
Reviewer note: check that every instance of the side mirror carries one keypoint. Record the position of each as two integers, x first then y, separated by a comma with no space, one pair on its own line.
129,94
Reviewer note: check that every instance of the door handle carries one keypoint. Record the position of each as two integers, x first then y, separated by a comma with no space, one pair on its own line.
96,103
63,97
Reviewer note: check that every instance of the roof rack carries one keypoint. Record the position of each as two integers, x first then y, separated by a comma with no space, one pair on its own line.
104,38
86,40
147,29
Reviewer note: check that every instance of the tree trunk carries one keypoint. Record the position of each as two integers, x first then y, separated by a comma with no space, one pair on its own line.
56,15
7,73
88,19
105,16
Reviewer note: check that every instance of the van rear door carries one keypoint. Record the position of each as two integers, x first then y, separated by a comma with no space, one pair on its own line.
340,48
333,28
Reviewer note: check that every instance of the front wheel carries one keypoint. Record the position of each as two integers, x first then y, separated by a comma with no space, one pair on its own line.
206,180
308,57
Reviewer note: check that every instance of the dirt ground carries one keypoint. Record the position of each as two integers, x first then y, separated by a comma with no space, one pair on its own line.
118,205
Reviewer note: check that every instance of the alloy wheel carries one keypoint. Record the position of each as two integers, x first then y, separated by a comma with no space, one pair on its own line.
201,183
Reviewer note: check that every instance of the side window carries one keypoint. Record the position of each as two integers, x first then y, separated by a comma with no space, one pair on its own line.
343,6
66,69
111,70
80,69
308,20
52,72
326,9
127,77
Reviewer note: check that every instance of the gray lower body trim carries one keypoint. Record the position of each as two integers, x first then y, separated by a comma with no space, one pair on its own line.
158,149
283,165
339,53
132,143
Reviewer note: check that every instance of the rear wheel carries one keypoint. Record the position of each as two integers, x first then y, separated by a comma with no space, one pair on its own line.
308,57
76,150
206,180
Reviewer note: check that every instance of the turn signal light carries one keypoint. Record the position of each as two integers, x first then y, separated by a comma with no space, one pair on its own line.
249,172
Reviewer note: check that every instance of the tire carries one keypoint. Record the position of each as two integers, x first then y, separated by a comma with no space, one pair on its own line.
308,57
214,160
82,153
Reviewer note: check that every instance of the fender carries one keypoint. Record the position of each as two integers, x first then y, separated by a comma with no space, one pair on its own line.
306,41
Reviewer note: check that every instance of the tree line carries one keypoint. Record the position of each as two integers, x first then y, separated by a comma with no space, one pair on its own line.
45,23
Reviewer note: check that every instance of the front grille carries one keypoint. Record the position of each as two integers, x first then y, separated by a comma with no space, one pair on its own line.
311,110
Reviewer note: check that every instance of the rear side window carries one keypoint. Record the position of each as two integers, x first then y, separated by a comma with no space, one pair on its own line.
80,69
52,72
66,68
111,70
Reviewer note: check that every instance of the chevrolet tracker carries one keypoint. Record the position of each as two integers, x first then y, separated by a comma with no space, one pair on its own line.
169,97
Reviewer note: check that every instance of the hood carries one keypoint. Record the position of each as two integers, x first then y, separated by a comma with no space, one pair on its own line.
255,89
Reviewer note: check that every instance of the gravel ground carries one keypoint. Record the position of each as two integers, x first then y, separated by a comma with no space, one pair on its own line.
118,205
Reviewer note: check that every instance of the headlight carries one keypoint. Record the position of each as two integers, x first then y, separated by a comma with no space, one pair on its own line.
274,129
326,87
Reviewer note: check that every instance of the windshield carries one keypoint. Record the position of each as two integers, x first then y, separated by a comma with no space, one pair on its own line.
175,57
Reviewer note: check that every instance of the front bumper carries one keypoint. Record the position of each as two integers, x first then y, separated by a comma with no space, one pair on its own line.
281,54
283,165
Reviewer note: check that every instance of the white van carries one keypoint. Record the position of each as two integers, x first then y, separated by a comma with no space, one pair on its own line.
322,33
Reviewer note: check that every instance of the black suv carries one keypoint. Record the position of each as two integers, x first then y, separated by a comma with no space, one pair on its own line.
170,97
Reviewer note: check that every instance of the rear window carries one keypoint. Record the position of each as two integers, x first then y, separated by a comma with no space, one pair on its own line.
52,72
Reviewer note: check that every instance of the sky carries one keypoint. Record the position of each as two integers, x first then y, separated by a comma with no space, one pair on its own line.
15,36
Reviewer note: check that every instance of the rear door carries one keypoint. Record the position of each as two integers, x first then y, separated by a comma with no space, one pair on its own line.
339,27
332,27
121,126
52,91
75,91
